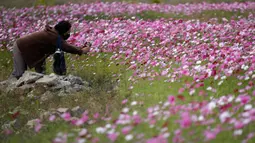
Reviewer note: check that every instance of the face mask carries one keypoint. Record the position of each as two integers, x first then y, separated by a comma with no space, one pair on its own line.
66,36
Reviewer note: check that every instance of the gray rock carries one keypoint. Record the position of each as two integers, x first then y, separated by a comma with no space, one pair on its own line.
45,115
8,85
50,80
28,77
76,111
16,124
61,85
32,123
74,80
38,84
63,93
63,110
22,90
46,96
6,126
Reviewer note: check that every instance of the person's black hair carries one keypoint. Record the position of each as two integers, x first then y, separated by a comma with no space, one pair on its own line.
62,27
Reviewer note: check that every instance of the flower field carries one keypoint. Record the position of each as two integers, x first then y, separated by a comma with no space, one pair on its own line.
188,80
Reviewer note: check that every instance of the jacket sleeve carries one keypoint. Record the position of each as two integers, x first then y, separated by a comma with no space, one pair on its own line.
70,48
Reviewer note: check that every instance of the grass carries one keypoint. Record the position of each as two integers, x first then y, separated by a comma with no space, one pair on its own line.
95,101
96,69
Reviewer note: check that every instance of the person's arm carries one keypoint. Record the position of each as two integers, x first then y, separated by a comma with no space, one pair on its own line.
71,49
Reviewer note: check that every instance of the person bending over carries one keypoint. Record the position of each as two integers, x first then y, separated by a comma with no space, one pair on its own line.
33,49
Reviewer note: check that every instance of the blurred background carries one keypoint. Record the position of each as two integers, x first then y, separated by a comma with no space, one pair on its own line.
29,3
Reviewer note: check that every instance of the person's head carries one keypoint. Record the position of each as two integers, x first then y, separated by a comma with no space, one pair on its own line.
63,28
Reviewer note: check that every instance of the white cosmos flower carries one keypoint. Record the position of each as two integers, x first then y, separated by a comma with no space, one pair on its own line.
129,137
230,99
125,110
247,107
108,126
221,44
198,62
211,105
238,132
192,92
201,118
135,113
166,135
224,116
209,88
223,77
220,82
100,130
134,103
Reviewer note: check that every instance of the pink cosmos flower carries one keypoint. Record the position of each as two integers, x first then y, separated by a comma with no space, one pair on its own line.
38,125
124,101
8,132
112,136
52,118
244,98
126,130
66,116
186,121
158,139
209,135
239,125
96,116
171,99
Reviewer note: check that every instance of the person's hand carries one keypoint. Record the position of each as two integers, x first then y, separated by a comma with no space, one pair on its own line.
85,50
87,44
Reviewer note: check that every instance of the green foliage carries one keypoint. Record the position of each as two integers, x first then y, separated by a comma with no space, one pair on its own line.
156,1
45,2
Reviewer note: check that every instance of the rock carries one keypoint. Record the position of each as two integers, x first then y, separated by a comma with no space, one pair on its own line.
61,85
78,87
45,115
31,84
32,123
6,126
8,85
28,77
16,124
50,80
46,96
24,89
74,80
63,110
76,111
63,93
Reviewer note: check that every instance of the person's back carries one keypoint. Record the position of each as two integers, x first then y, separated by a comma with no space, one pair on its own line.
37,46
32,50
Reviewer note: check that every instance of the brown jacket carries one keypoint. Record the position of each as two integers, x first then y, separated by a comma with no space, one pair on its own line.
37,46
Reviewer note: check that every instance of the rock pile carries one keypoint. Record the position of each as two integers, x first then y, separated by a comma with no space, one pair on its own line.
44,84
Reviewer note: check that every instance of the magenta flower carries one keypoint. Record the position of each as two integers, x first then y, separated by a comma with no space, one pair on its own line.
126,130
171,99
158,139
112,136
185,121
209,135
38,125
52,118
66,116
